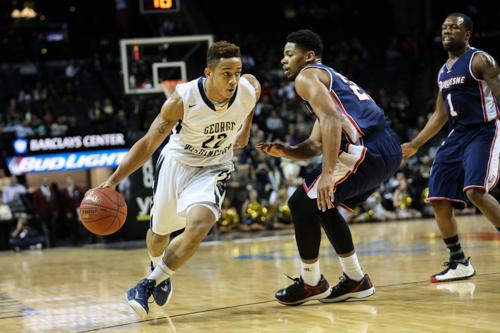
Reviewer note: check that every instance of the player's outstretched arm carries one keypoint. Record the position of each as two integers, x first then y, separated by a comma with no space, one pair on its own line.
171,111
486,68
243,135
431,128
303,151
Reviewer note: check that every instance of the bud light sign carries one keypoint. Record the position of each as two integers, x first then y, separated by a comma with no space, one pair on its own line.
66,161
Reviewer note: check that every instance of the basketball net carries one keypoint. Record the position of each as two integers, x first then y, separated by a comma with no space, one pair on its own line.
168,86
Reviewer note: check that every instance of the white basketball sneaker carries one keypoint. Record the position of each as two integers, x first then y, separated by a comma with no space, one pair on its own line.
455,270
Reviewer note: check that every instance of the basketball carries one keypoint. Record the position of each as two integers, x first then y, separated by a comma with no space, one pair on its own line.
103,211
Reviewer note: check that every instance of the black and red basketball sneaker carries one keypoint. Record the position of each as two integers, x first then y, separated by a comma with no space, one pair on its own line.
299,292
348,288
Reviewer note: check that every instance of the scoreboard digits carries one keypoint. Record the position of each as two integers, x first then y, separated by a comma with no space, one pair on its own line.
159,6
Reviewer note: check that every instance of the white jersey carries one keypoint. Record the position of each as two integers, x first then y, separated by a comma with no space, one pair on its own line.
206,134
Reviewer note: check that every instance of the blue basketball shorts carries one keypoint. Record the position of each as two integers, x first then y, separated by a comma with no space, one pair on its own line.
466,159
360,169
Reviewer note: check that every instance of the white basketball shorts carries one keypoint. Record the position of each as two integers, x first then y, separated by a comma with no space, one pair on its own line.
179,187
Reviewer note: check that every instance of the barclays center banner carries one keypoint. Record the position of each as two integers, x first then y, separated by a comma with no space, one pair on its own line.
85,152
65,153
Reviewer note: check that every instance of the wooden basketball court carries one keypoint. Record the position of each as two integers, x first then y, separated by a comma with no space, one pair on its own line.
229,286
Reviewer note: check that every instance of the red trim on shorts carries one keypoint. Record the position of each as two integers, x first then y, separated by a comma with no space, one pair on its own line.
356,166
349,209
490,158
470,187
362,158
308,189
447,199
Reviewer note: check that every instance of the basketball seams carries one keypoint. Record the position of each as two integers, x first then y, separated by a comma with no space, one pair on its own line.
97,219
102,208
106,231
119,199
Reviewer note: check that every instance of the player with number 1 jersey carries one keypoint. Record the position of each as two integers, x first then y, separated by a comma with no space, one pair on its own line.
465,168
472,111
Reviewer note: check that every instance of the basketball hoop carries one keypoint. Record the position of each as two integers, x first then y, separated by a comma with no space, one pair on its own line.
168,86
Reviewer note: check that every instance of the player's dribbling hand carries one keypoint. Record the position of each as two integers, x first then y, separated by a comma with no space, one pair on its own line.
273,149
107,183
325,192
409,149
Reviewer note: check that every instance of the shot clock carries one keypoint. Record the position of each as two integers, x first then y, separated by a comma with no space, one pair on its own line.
159,6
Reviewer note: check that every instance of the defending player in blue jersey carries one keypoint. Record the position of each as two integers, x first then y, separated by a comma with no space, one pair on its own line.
359,150
466,165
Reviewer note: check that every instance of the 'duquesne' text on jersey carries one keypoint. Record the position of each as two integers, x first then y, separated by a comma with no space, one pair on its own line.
468,100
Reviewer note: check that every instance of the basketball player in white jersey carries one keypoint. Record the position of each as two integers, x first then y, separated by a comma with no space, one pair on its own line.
208,117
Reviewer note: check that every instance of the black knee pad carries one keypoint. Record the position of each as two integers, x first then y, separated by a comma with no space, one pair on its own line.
337,230
307,224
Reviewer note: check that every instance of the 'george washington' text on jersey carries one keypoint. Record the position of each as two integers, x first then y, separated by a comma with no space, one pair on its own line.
207,133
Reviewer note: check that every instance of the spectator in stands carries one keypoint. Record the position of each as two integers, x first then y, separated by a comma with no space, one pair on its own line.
280,215
230,219
253,213
96,112
46,208
4,180
275,124
5,212
402,201
120,122
373,210
71,196
25,236
13,191
59,127
108,109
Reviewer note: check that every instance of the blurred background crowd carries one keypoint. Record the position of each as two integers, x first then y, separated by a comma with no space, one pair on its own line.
60,73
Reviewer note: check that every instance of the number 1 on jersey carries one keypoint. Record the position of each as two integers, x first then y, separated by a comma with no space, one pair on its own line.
452,110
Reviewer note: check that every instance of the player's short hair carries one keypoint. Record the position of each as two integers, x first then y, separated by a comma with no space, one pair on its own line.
306,40
467,20
222,49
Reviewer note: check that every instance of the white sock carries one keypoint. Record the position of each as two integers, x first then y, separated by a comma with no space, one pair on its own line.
350,266
155,260
160,273
310,273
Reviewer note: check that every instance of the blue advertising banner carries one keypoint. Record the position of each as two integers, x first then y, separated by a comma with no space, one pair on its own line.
82,160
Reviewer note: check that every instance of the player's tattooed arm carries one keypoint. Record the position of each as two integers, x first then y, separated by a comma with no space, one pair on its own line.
171,111
484,67
162,126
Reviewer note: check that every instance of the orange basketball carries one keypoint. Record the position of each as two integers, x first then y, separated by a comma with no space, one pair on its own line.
103,211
